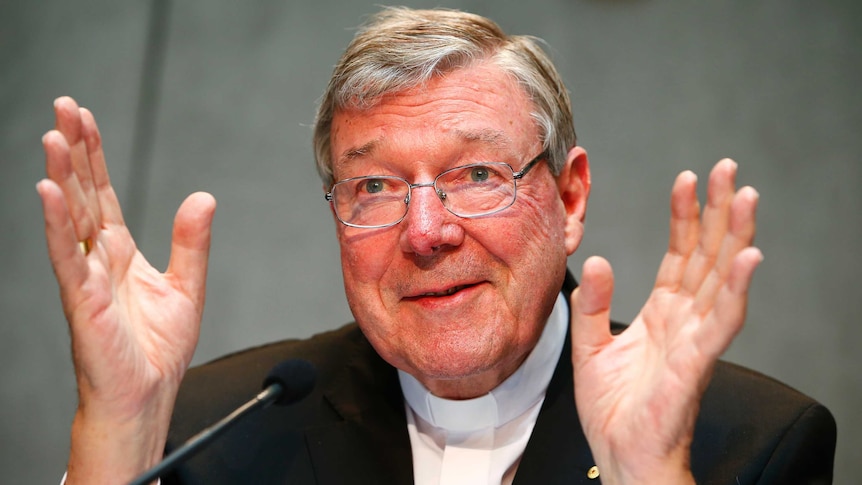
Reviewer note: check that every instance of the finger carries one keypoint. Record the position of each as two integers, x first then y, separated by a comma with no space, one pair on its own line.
69,264
684,230
190,245
591,309
740,235
58,166
69,123
716,214
728,316
108,203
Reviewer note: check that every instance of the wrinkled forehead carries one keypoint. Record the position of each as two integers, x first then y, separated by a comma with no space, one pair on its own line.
478,108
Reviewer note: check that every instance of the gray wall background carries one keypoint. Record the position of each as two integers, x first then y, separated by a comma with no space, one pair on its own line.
220,95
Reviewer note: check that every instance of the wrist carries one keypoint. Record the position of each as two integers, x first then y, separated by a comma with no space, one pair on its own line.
110,445
665,477
671,469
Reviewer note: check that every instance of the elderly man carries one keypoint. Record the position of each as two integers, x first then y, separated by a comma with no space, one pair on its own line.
448,155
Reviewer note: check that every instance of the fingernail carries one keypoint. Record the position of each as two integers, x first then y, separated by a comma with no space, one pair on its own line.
39,186
753,193
759,254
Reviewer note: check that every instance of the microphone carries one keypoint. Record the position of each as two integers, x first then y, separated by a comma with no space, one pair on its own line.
288,382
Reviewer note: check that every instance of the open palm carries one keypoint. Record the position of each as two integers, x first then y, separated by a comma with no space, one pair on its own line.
133,328
638,393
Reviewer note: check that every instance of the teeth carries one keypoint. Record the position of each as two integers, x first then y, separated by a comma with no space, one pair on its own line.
444,293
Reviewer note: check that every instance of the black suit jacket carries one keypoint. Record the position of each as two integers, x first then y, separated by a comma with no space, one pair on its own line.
352,428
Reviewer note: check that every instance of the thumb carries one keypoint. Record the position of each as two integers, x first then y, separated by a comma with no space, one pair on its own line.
190,244
591,308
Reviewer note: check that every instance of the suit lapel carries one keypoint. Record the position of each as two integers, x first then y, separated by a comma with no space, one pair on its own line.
557,451
370,445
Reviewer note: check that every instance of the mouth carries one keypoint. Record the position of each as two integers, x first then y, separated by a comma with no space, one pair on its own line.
441,293
447,292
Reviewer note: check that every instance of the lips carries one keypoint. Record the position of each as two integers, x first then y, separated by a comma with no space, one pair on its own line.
447,292
440,293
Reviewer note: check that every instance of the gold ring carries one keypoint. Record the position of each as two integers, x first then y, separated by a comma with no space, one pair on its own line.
85,246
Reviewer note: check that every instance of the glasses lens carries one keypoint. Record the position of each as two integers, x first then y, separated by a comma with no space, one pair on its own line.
477,189
370,201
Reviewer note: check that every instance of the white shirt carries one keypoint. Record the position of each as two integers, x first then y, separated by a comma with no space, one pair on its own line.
481,440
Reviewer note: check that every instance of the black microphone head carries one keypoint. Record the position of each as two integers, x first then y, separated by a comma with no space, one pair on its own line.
296,377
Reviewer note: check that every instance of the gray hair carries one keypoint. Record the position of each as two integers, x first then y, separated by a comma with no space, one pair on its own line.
400,48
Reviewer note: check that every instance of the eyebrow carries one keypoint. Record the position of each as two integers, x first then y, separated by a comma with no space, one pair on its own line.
494,138
358,152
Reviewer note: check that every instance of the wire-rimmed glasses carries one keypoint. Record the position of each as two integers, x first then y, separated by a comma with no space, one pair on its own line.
474,190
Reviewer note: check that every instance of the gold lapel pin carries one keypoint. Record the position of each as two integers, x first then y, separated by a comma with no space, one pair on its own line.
85,246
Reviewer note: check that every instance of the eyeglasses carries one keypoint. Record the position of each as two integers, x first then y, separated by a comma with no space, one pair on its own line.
474,190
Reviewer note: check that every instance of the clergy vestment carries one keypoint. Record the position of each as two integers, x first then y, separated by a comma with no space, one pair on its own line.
353,427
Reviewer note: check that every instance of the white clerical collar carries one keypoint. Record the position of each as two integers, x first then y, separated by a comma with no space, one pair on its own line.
510,399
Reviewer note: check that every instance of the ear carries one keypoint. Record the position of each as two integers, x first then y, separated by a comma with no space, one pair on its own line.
573,182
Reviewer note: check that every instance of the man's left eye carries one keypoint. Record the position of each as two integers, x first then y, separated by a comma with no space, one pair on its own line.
374,186
479,174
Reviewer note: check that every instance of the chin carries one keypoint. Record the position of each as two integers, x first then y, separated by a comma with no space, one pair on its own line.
460,363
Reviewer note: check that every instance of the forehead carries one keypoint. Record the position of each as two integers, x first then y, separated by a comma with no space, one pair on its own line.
479,108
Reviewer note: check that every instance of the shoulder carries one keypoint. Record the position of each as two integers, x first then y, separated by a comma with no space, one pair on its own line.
746,396
234,378
269,446
755,429
752,428
212,390
250,366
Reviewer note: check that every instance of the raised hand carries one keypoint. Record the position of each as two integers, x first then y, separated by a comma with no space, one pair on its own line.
133,328
638,393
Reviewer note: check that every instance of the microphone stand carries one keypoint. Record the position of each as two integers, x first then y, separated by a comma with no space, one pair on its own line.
266,397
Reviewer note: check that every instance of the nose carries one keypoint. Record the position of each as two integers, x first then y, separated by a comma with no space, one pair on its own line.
428,227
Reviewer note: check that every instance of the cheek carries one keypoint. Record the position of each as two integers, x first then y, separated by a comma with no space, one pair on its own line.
361,287
539,230
364,253
366,260
357,268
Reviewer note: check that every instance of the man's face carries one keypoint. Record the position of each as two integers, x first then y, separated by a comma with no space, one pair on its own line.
458,303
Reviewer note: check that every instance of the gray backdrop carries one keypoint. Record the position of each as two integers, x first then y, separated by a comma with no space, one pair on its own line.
220,95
